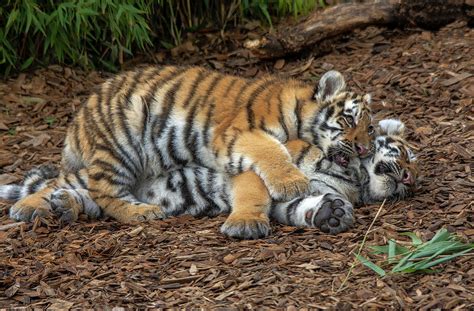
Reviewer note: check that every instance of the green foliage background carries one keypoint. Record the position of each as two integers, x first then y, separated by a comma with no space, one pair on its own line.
102,33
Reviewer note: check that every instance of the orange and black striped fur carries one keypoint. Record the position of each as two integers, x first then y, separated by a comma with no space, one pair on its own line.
147,122
388,172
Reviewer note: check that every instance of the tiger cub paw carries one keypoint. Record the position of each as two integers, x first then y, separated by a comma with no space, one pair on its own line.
288,186
144,212
246,226
23,211
64,206
332,215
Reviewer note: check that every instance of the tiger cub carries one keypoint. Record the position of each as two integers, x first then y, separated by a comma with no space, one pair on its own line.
389,172
145,123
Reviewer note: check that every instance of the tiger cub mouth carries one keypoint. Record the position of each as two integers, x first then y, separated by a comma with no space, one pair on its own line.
341,159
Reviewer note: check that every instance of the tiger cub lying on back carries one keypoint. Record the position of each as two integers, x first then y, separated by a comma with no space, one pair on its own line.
145,123
389,172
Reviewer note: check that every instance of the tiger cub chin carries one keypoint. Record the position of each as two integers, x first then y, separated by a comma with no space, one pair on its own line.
389,172
148,122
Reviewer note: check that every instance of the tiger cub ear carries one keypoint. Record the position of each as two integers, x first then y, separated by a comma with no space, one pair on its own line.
367,99
391,127
331,83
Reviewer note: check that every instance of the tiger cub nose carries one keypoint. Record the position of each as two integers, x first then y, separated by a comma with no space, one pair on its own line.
408,178
361,149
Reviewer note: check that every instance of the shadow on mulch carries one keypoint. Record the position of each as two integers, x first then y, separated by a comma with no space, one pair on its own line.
426,79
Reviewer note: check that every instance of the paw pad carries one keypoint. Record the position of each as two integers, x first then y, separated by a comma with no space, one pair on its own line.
334,216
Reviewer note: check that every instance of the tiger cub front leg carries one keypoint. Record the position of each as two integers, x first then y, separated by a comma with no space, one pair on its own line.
117,201
267,157
304,155
250,208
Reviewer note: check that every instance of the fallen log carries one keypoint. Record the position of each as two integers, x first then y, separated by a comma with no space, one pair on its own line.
344,18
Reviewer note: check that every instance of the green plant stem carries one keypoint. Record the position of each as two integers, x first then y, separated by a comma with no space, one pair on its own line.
354,263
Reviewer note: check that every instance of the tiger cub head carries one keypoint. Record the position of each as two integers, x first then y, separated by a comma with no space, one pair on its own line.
342,126
392,168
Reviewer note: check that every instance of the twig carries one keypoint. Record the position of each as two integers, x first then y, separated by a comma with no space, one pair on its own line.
12,225
360,248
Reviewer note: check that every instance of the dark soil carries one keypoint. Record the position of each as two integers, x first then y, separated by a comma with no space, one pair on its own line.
424,78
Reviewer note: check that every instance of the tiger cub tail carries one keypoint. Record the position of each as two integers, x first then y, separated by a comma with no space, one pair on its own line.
35,180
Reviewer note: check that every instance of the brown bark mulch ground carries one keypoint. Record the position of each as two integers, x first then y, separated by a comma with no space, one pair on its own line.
426,79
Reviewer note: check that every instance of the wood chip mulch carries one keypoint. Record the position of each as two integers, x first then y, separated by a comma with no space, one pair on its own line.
424,78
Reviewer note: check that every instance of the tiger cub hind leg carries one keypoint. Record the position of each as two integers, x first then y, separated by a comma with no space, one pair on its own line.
68,204
111,188
129,210
329,212
251,203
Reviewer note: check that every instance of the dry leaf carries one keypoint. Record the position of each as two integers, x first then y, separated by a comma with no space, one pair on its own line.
36,141
6,179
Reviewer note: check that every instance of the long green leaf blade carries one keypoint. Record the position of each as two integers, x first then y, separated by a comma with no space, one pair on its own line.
369,264
415,240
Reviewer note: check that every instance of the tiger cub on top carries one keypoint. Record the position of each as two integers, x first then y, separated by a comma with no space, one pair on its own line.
389,172
144,123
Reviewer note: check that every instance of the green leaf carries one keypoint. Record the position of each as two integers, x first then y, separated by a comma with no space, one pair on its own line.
27,63
443,259
415,240
11,19
442,235
399,250
371,265
391,250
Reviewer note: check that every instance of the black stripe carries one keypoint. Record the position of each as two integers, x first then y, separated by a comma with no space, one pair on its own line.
113,92
207,123
269,97
200,190
230,86
329,112
290,209
125,162
108,167
81,181
146,119
125,127
192,92
168,105
299,121
189,126
156,151
172,149
231,145
46,200
33,187
89,127
324,126
281,119
14,194
302,155
193,147
157,84
185,192
253,98
75,136
79,199
109,179
341,177
241,164
240,93
217,78
68,182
